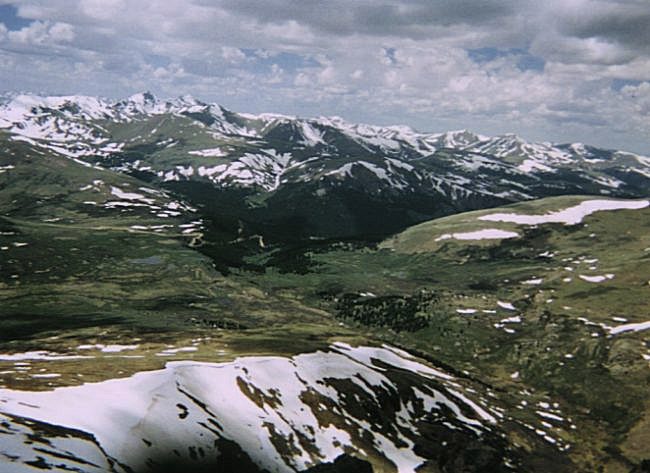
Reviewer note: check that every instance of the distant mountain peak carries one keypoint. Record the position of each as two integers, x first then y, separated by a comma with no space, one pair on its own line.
145,97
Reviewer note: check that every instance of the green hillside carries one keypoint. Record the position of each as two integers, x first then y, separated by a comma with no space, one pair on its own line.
555,313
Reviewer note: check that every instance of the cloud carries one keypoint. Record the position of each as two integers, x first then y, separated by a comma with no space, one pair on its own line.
414,19
542,69
42,33
620,23
234,55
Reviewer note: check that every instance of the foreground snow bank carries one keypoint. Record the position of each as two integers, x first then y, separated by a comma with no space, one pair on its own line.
283,414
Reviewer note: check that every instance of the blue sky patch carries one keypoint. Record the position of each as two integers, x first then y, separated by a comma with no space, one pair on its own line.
618,84
390,54
9,16
482,55
525,61
528,62
157,60
290,62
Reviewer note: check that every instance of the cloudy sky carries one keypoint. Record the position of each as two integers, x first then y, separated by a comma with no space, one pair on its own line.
556,70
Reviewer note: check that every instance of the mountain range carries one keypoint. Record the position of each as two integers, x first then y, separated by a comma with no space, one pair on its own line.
188,288
337,178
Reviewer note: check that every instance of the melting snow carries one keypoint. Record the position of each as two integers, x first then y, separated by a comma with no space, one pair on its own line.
638,327
399,164
311,135
265,170
487,234
209,153
108,348
39,355
255,402
596,278
569,216
530,165
173,351
548,415
506,305
120,194
466,311
533,282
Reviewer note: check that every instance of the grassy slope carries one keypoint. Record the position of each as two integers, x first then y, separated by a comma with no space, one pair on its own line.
73,273
600,381
422,237
75,279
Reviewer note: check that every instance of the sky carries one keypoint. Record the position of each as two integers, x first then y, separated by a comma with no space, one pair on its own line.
552,70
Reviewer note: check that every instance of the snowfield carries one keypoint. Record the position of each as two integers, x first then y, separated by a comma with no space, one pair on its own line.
569,216
487,234
317,406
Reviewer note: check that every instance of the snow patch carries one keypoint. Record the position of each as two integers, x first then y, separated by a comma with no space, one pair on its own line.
638,327
120,194
209,153
486,234
108,348
533,281
506,305
259,403
596,278
568,216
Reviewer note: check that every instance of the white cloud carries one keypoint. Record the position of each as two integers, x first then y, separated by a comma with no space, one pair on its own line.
42,33
370,60
233,55
102,9
357,74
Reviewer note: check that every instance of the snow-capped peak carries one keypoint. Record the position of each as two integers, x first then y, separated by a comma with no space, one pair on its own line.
189,100
142,98
23,106
578,147
458,139
268,117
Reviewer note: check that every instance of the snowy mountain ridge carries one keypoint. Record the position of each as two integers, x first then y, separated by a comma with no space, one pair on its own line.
312,408
19,109
185,139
